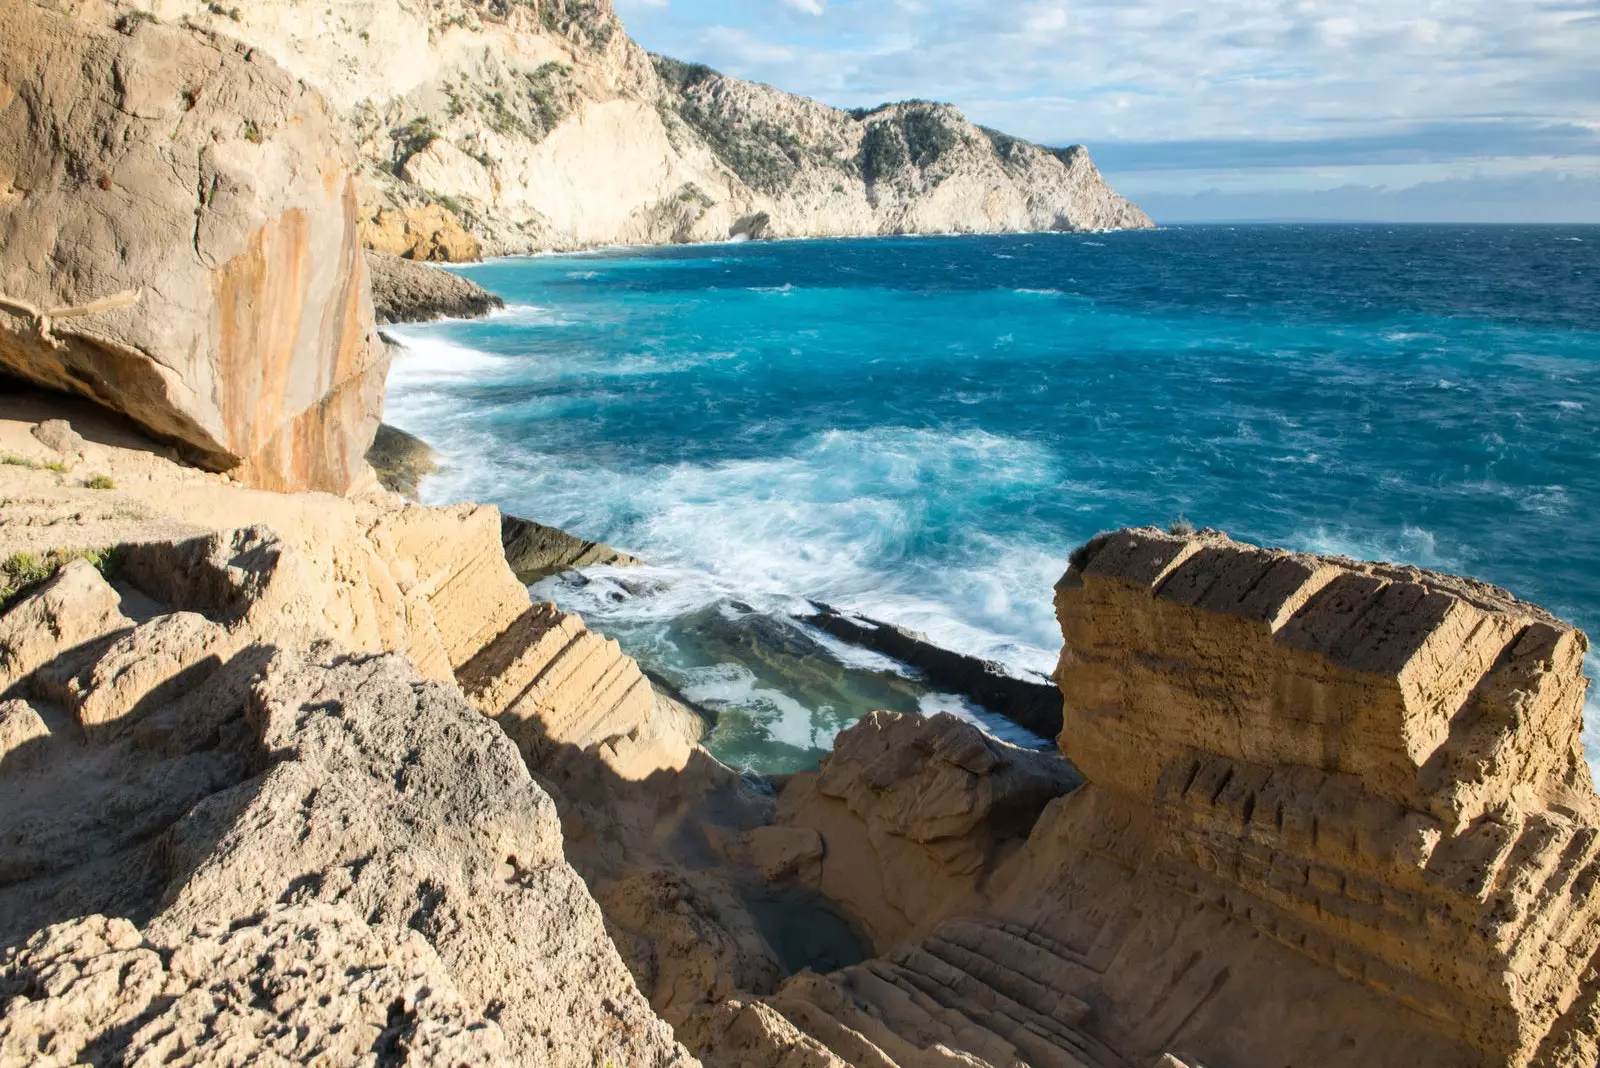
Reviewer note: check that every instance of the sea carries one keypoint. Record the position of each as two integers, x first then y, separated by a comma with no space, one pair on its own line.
920,430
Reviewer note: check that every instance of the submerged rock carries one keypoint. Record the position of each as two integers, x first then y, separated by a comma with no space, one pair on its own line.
1030,702
196,207
400,460
404,291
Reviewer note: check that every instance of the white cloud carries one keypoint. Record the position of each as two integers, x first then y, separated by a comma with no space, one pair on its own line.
1166,70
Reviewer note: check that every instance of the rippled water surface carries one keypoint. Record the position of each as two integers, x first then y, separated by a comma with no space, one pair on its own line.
922,429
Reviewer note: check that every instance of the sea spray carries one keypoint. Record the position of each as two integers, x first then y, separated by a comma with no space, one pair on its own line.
921,431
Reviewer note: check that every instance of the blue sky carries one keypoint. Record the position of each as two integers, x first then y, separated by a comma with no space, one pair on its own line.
1435,110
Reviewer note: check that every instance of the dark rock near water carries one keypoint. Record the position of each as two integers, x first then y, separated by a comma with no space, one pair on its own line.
400,460
536,551
404,291
1033,703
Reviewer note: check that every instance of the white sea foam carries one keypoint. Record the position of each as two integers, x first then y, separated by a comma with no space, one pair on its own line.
1038,292
528,315
1410,545
426,358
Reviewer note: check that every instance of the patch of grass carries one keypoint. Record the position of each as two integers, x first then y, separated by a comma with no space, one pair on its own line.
22,573
252,132
1180,527
100,482
12,459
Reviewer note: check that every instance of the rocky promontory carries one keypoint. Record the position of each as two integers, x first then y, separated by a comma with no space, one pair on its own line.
404,291
295,770
495,128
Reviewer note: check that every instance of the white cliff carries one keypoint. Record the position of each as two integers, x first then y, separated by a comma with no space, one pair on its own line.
541,125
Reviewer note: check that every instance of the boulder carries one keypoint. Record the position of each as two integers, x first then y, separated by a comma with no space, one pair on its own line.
400,460
179,242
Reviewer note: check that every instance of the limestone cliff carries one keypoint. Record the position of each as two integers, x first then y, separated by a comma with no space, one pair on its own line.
179,242
541,125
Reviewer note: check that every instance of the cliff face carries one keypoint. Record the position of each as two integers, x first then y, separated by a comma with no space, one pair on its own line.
179,242
543,126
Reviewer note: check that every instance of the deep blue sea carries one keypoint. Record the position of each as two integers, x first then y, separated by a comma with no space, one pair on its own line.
922,429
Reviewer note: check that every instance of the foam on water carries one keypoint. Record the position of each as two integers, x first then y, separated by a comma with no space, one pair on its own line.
912,434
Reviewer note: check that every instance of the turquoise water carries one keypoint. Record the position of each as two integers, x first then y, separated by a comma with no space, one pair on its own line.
922,429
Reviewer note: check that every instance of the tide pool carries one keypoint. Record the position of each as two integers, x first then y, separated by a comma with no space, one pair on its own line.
921,430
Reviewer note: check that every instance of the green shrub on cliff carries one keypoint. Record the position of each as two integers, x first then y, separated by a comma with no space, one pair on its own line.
22,573
916,134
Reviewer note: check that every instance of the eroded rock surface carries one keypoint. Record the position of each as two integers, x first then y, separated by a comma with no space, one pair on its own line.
302,853
211,193
1336,815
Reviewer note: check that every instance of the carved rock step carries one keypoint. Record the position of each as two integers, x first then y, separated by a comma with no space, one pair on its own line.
990,992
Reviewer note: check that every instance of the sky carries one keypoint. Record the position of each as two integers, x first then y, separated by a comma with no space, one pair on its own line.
1407,110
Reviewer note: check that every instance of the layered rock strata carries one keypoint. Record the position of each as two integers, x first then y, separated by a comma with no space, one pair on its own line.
535,551
1336,814
217,815
198,213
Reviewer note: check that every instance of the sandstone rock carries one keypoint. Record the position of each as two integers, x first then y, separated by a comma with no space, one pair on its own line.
400,460
21,728
914,815
1335,816
327,856
407,292
296,984
536,551
251,342
74,608
785,853
58,434
430,233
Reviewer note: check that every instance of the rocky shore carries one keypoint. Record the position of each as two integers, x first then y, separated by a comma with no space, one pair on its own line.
292,768
404,291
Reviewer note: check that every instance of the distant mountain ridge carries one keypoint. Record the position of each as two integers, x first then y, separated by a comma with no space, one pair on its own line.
541,125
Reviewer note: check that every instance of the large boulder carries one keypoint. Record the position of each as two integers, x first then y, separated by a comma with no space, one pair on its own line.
199,203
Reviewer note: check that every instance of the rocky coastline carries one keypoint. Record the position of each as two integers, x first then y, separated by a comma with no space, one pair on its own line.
405,291
293,769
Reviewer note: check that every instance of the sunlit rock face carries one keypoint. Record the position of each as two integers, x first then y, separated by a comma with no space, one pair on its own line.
198,203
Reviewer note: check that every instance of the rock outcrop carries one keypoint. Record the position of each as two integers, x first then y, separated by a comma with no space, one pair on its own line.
535,551
1026,699
1336,814
509,128
179,242
400,460
408,292
230,834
